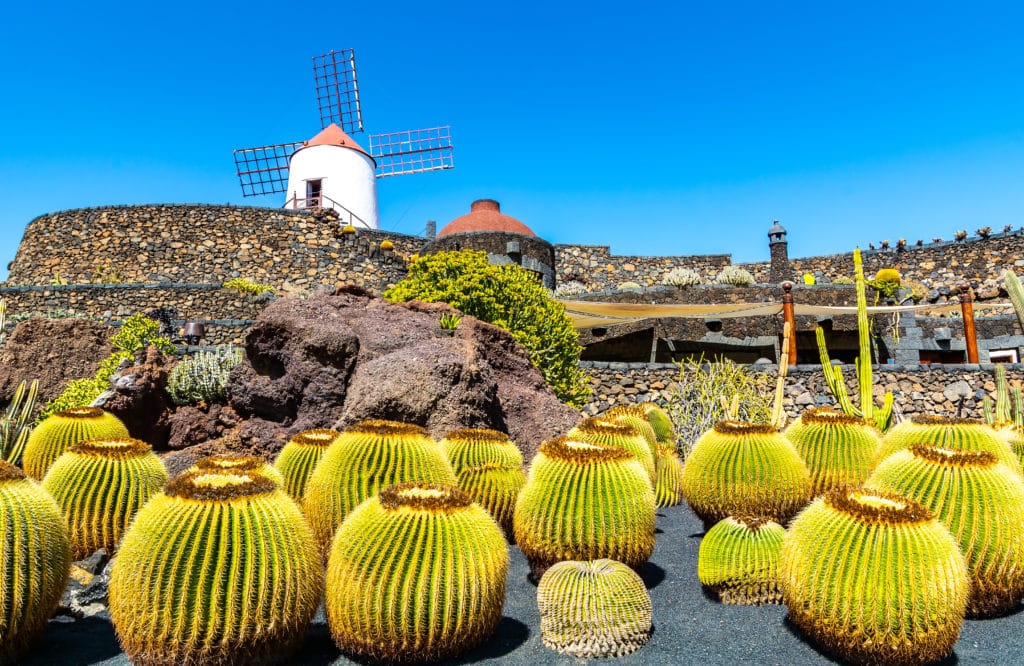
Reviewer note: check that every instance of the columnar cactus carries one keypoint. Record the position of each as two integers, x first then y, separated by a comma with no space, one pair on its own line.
35,557
739,468
219,568
981,501
585,501
593,609
237,462
874,578
623,435
948,433
300,456
416,573
668,484
739,560
55,434
365,458
100,484
839,448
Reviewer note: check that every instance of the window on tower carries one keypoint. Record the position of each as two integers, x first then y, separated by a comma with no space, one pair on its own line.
314,191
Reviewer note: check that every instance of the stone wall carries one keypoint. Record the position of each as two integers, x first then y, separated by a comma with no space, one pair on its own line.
600,270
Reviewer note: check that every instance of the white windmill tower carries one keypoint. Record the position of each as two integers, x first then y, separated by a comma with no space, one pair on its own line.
331,170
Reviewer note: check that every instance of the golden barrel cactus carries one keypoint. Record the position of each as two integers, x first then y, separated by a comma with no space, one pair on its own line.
739,560
739,468
839,449
668,482
237,462
35,557
299,457
623,435
593,609
100,484
948,433
472,447
416,573
635,416
488,466
661,422
219,568
874,578
981,501
55,434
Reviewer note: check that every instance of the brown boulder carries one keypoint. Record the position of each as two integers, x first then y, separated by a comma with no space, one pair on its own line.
138,396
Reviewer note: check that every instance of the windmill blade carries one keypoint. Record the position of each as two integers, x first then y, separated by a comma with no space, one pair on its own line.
412,151
264,170
337,91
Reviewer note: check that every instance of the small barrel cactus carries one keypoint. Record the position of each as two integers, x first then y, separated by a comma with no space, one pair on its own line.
616,433
56,433
739,560
981,501
948,433
219,568
839,448
35,557
593,609
100,484
472,447
874,578
496,489
661,422
668,484
739,468
416,573
237,462
1014,435
203,376
585,501
300,456
363,459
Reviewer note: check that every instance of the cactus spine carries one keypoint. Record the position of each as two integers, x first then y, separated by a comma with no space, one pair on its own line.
16,421
34,560
219,568
416,573
236,462
839,449
739,560
593,609
100,484
56,433
300,456
948,433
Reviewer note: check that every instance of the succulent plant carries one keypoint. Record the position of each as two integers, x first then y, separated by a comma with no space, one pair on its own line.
739,468
56,433
237,462
948,433
100,484
472,447
584,501
488,466
219,568
416,573
299,457
661,422
668,484
363,459
16,419
35,557
736,276
874,578
839,449
598,430
636,416
739,560
981,501
1014,436
593,609
203,376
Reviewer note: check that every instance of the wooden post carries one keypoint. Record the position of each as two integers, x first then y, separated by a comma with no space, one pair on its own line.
970,335
789,317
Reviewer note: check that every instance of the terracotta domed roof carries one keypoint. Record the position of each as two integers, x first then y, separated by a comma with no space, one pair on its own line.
485,215
332,135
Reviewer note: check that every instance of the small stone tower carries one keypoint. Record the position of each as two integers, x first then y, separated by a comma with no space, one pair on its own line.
779,248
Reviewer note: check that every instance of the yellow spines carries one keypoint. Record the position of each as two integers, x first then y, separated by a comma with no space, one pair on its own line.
488,466
365,458
416,573
661,422
220,568
1014,435
839,448
948,433
874,578
611,433
35,557
300,456
237,462
585,501
635,416
472,447
593,609
100,484
738,468
981,501
55,434
739,560
668,485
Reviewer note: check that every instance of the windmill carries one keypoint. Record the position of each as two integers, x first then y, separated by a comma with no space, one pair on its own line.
331,170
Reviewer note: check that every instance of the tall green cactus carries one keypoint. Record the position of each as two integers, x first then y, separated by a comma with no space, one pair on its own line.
1016,292
16,421
55,434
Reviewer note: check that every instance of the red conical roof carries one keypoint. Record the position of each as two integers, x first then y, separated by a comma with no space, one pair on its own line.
332,135
485,215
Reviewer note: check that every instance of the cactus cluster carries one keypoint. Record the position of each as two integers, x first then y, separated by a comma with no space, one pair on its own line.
56,433
416,573
489,467
299,457
203,376
739,560
839,448
948,433
620,434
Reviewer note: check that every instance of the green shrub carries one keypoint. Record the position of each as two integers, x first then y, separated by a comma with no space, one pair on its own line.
248,287
138,332
509,297
203,376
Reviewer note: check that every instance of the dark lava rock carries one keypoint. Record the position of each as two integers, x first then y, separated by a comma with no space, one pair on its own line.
139,398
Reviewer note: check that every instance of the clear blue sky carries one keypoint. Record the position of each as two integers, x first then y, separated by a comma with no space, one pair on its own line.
656,128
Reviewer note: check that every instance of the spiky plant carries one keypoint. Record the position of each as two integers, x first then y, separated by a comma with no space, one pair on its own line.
1014,435
300,456
100,484
874,578
56,433
739,468
472,447
34,561
416,573
623,435
16,421
363,459
839,448
220,568
584,501
981,501
636,416
598,608
496,489
948,433
237,462
661,422
739,560
668,485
